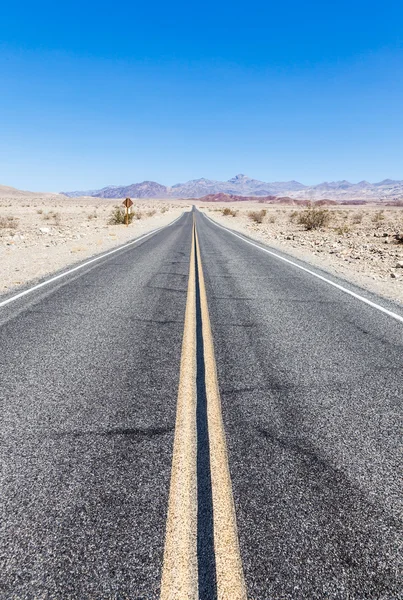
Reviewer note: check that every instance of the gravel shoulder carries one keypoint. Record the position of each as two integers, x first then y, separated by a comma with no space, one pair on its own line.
41,234
357,244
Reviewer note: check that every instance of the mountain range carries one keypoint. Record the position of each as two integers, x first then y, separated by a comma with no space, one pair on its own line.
242,185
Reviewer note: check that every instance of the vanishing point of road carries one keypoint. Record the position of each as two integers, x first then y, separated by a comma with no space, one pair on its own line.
194,416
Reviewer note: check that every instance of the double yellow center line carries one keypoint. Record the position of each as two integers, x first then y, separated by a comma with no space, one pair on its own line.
180,575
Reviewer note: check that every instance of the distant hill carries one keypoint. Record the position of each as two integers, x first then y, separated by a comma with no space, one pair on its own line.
244,186
146,189
263,199
345,191
11,192
240,185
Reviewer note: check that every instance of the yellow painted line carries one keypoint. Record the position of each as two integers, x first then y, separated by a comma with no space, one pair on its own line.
179,573
229,571
180,567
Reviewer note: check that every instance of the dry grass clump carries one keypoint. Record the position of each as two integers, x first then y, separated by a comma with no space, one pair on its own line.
293,215
164,209
8,223
357,218
228,212
272,218
399,238
118,216
342,229
257,216
378,217
51,215
151,212
92,216
314,218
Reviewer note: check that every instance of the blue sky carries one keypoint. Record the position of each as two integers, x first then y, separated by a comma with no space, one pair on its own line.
103,93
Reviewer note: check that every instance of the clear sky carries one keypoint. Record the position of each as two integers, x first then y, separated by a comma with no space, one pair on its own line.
118,92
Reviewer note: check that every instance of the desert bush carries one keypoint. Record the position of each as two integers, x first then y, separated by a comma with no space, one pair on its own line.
8,223
151,213
228,212
399,238
164,209
272,218
118,216
257,216
314,218
92,216
51,215
357,218
378,217
342,229
39,211
293,215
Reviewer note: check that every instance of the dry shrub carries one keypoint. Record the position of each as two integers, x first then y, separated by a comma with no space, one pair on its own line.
272,219
151,213
52,215
378,217
257,216
164,209
228,212
357,218
118,216
314,218
92,216
56,218
399,238
8,223
342,229
293,215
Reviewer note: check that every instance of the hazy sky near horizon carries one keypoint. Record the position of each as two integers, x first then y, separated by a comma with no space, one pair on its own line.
103,93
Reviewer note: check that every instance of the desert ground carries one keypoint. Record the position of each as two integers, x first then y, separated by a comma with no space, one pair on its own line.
357,243
40,234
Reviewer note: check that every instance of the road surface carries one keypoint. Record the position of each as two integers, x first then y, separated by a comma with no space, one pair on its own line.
118,469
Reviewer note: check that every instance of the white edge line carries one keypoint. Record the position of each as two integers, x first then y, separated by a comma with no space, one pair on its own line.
336,285
88,262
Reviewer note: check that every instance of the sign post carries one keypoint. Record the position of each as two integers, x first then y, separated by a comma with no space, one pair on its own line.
127,203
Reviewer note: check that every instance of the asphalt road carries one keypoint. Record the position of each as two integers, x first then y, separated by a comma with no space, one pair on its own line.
311,383
89,378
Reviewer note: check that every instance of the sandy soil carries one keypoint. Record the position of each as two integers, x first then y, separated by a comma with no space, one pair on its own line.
40,234
358,243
